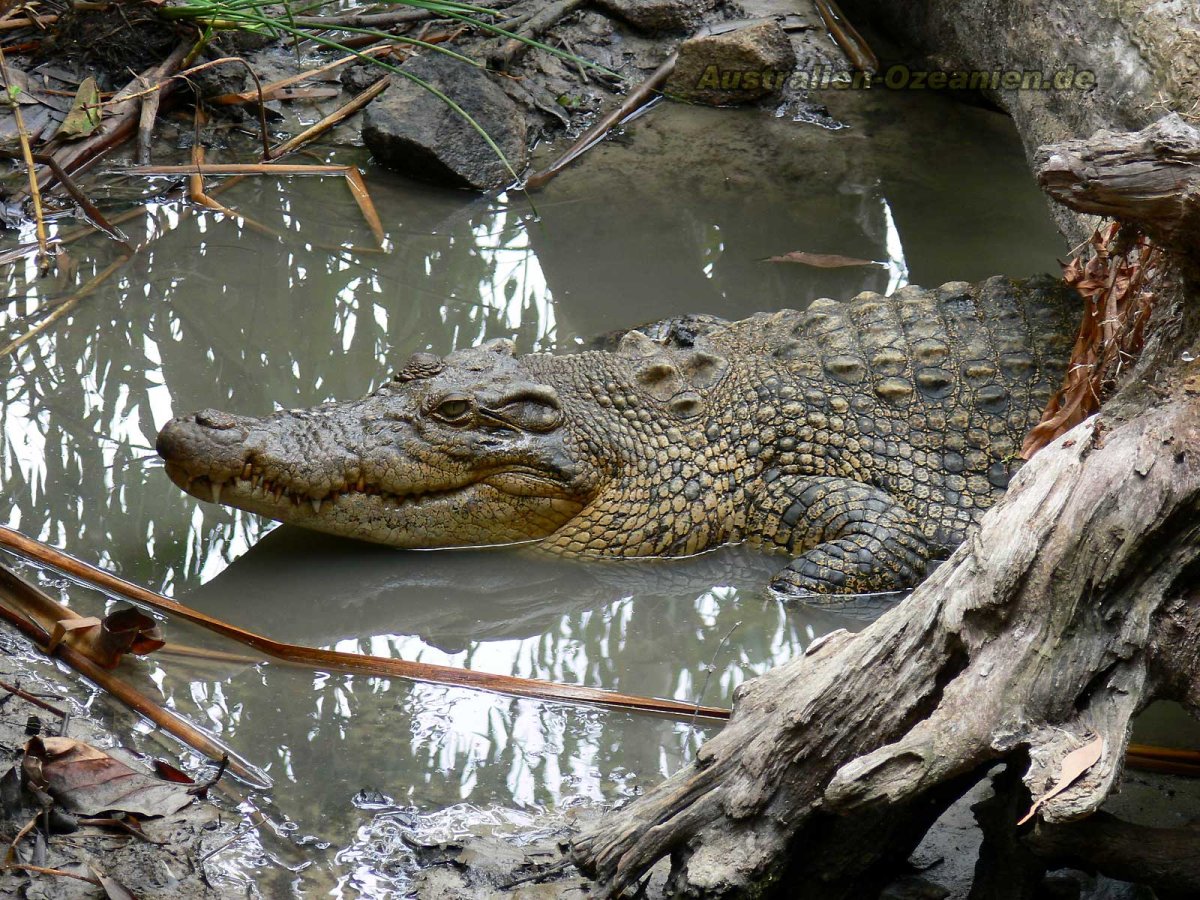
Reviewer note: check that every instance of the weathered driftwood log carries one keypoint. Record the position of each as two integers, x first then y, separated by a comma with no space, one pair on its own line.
1150,178
1066,613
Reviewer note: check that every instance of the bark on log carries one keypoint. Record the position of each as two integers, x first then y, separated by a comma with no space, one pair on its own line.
1150,178
1064,615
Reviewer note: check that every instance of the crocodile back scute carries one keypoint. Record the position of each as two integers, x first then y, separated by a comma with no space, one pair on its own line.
932,391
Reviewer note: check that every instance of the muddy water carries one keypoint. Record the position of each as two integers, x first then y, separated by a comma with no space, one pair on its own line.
676,215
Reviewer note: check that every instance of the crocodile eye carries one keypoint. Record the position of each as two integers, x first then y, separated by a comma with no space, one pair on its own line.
453,409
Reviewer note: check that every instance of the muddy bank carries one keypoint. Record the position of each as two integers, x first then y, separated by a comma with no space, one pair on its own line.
588,56
185,854
513,854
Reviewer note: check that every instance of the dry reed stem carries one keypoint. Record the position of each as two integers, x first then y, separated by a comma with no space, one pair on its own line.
35,194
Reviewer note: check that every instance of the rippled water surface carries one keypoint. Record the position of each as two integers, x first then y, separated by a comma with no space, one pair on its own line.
676,215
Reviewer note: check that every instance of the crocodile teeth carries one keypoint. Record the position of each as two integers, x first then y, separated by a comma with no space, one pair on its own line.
316,505
246,470
216,491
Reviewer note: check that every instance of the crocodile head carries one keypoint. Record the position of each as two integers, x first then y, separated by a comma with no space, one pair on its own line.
466,450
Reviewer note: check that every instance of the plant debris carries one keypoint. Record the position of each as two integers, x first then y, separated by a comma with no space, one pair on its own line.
87,781
1116,281
85,114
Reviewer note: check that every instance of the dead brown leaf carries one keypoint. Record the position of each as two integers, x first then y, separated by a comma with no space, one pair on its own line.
87,781
1112,276
1074,764
822,260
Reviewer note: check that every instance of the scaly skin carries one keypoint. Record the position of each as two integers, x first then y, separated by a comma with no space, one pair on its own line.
862,438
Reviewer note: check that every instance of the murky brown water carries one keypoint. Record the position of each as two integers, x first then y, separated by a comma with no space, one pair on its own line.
675,216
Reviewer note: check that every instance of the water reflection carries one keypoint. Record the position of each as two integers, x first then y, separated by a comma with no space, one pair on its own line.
290,310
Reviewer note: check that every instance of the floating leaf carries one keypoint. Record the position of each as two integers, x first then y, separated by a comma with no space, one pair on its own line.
84,116
822,260
88,781
1073,765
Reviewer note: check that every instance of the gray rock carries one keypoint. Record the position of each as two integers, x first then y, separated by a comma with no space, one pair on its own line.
410,130
735,67
658,15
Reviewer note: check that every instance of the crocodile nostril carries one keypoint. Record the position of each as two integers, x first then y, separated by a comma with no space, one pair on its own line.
214,418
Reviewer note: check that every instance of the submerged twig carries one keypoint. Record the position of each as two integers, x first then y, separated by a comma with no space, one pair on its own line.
96,218
353,176
351,662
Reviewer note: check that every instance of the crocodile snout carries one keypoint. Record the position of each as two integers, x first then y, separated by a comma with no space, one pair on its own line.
209,443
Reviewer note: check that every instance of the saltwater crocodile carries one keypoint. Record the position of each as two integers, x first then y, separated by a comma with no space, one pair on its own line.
863,438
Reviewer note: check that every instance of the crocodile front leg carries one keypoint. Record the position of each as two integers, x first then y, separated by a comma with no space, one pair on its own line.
851,538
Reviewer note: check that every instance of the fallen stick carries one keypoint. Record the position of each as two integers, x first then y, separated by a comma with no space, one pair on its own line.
351,662
537,24
1144,756
146,120
364,20
42,870
39,21
134,699
853,44
634,100
237,169
342,112
269,90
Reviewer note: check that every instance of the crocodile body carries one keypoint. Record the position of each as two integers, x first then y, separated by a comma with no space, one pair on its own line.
862,438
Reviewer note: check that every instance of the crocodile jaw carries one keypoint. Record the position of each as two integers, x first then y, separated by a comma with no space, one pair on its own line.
435,518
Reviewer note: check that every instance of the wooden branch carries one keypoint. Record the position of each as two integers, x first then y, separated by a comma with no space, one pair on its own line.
535,26
1150,178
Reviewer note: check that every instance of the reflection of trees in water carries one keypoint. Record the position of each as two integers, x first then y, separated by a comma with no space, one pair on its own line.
433,745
